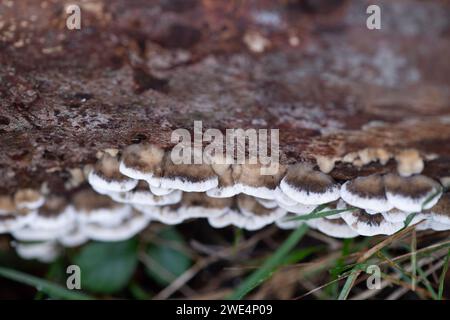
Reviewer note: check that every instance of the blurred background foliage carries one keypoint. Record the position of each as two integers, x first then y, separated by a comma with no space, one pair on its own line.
194,261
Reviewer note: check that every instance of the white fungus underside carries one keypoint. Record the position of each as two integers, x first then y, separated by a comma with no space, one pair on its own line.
367,229
160,191
441,218
268,204
230,191
138,175
105,216
28,233
43,251
18,222
147,197
232,217
73,238
265,219
286,222
373,204
434,225
298,208
413,205
335,230
188,186
100,183
282,198
309,198
31,205
65,218
125,230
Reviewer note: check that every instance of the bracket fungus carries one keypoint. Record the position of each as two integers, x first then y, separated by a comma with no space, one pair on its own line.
45,251
107,177
337,228
142,162
50,221
366,193
308,186
189,178
28,199
370,224
412,194
142,194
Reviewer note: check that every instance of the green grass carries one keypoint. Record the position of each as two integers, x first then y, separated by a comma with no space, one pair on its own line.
115,264
268,267
318,213
51,289
442,277
427,283
345,291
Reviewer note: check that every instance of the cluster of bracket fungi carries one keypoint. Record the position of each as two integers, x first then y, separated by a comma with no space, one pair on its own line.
141,184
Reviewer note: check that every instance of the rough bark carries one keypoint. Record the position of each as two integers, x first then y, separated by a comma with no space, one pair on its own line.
139,69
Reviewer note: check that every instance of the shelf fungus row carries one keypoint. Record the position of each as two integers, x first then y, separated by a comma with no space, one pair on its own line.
142,184
238,194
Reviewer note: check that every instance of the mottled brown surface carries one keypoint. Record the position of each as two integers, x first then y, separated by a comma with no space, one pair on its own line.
54,206
201,200
306,180
370,219
368,187
414,187
139,69
443,206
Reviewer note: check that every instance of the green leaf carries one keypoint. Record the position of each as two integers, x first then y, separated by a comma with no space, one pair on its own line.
265,271
166,262
408,219
107,267
54,290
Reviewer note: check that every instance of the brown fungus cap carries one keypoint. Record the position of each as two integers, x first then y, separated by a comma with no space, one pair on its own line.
142,161
366,193
412,194
106,176
307,186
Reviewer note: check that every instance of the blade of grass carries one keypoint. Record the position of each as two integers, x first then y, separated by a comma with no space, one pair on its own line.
442,277
317,213
343,295
431,197
299,255
333,289
409,218
51,289
413,259
427,283
53,273
264,272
